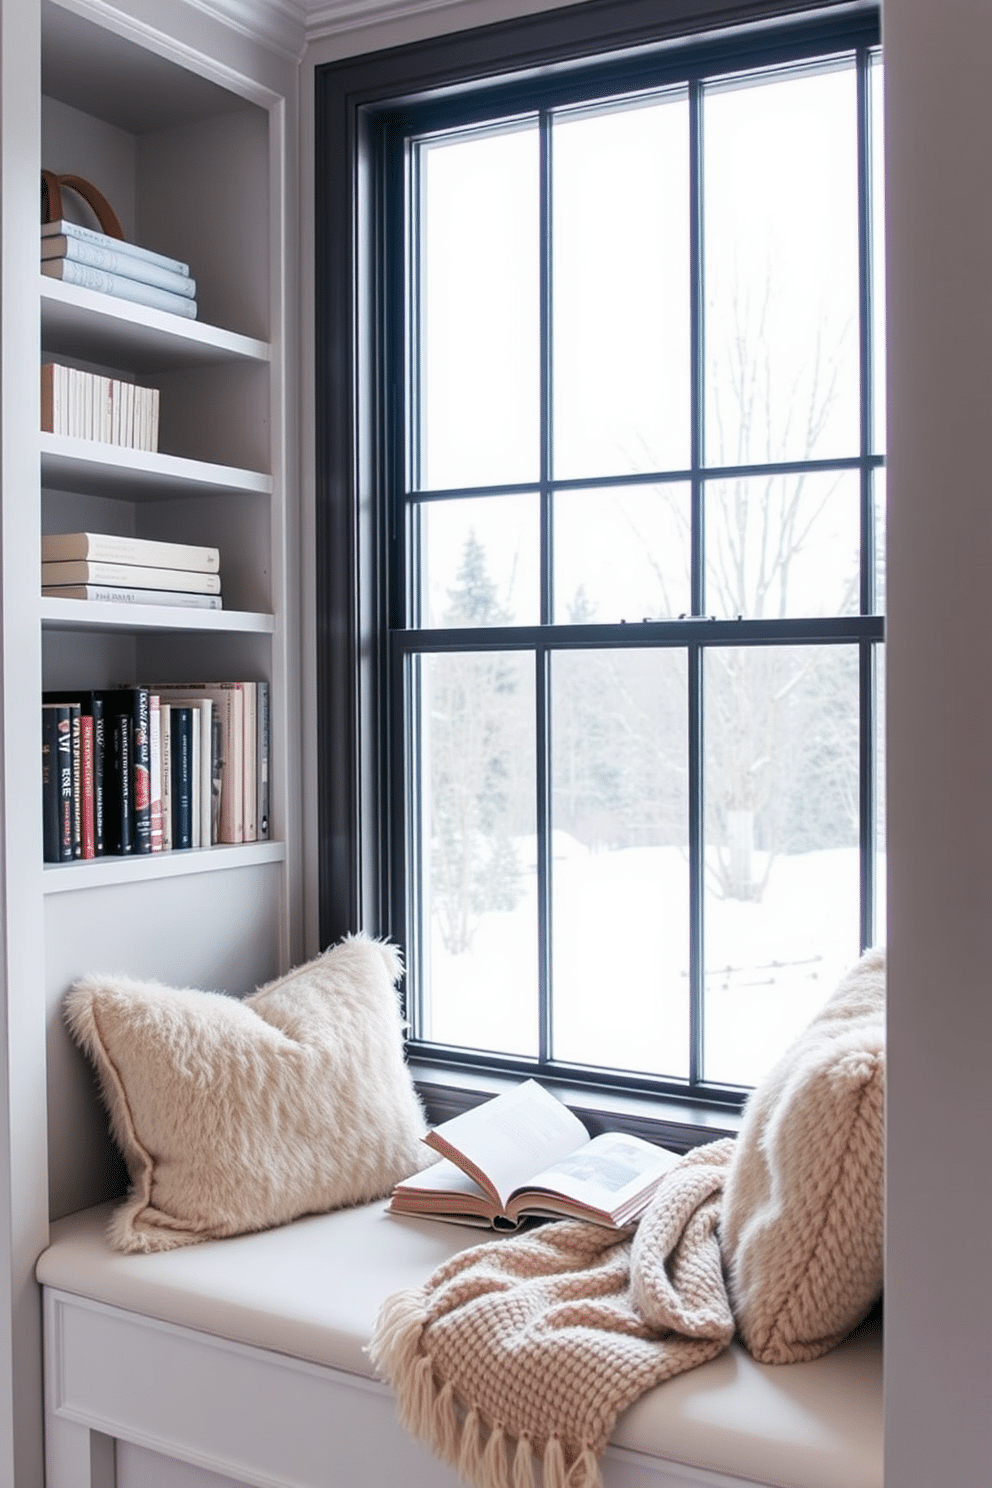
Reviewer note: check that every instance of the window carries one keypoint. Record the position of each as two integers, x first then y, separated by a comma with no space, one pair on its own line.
630,429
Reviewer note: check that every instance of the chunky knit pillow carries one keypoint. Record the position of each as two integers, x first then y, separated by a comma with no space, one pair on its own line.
801,1232
235,1116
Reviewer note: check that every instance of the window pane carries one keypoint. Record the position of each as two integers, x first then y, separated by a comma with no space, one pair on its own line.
783,546
620,181
479,323
781,267
620,876
478,562
879,491
782,899
474,804
877,97
622,554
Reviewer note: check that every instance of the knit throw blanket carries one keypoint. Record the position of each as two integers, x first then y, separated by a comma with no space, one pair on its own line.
515,1359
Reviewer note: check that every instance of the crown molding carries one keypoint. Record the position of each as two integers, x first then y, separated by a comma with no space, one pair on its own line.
279,25
335,17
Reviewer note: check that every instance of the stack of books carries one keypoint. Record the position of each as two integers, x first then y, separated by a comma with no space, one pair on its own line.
83,256
129,570
154,769
84,405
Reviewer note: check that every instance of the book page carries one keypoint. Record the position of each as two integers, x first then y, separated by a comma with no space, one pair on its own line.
503,1142
605,1174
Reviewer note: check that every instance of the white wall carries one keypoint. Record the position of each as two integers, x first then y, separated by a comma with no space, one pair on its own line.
939,201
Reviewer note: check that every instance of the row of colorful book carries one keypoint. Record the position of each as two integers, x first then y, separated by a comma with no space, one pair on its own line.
153,769
129,570
86,405
94,260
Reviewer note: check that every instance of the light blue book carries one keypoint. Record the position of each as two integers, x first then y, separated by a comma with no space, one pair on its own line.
117,285
63,229
112,262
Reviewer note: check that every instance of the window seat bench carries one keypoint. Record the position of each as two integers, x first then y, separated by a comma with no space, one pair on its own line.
241,1362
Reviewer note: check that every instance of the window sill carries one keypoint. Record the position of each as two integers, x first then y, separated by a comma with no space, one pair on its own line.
664,1119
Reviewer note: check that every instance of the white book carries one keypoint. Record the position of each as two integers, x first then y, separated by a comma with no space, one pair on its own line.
129,576
114,262
197,752
121,288
107,547
77,403
165,729
250,777
97,239
110,594
262,736
155,768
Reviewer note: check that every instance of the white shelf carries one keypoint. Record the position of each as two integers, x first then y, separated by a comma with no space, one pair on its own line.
88,615
92,468
81,323
96,873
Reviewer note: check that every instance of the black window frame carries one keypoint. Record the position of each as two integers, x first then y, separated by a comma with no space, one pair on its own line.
363,107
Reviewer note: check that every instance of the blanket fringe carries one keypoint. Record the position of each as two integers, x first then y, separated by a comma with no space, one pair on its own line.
486,1459
523,1465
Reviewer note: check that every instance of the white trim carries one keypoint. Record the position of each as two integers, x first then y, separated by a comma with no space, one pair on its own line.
280,25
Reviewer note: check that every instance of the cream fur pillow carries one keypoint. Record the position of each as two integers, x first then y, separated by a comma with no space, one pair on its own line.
801,1232
238,1115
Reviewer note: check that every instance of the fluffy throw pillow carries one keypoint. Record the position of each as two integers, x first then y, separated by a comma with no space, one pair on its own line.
801,1232
238,1115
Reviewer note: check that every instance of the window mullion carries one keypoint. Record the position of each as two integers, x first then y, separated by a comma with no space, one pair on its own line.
698,587
542,659
866,671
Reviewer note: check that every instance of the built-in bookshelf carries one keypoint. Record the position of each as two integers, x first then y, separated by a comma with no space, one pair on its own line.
189,128
192,152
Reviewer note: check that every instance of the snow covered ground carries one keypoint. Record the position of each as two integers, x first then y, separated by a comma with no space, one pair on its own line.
620,952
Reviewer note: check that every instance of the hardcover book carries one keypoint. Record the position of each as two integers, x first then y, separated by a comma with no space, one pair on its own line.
181,728
524,1156
118,286
105,547
117,261
128,576
110,594
91,235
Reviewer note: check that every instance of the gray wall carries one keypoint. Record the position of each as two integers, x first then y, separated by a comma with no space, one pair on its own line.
939,201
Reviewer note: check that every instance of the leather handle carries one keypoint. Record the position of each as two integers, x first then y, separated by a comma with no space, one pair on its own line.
51,201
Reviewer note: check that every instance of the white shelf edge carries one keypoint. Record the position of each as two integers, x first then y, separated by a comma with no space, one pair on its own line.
95,873
91,461
69,311
82,614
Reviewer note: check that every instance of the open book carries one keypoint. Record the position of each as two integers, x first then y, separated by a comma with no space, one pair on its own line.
525,1155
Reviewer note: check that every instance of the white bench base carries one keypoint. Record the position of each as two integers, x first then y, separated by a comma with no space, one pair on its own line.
136,1398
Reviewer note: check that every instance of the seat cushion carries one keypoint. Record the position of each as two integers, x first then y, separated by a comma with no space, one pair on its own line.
312,1289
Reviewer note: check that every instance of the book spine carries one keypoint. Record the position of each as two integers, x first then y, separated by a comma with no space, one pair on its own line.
195,753
119,287
262,753
81,234
128,576
75,718
63,727
249,783
99,766
141,769
123,783
111,594
49,783
88,790
216,773
114,261
155,768
106,547
182,777
165,730
205,771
